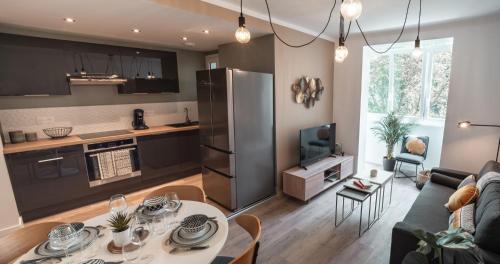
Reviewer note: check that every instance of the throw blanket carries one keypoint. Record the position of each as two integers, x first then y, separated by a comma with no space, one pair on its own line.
487,179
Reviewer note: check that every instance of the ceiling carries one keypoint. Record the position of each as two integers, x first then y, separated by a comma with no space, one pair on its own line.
165,22
160,24
310,16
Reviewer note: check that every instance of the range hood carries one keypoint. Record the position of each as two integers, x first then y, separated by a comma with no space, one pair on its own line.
95,79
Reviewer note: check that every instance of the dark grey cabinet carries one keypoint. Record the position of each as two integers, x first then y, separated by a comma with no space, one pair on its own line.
169,156
47,177
28,70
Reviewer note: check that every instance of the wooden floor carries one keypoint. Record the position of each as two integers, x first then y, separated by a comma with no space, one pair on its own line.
297,232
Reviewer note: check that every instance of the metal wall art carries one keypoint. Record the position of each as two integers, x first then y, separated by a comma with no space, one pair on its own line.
307,90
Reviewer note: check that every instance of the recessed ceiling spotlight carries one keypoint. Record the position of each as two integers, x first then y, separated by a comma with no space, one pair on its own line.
69,20
136,30
206,31
184,38
190,44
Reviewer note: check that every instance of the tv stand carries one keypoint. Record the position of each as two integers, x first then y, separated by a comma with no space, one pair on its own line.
305,183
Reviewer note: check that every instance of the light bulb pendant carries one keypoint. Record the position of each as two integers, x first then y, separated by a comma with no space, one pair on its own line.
341,52
242,34
417,52
351,9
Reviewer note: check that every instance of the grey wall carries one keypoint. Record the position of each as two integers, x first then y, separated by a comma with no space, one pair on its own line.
257,55
474,89
188,62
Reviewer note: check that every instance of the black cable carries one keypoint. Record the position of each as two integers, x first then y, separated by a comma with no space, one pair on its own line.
397,39
419,15
348,30
301,45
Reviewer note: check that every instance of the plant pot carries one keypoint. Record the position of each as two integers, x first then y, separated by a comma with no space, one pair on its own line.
389,164
121,238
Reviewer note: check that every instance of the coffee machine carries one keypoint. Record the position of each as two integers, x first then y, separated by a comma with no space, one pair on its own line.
139,123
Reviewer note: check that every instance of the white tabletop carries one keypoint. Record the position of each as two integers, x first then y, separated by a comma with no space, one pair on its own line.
381,178
156,246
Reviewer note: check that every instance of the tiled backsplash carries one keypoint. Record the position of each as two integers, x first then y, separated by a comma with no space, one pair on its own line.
89,119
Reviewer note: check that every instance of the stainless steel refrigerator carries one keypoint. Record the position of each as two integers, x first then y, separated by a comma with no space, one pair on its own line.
236,114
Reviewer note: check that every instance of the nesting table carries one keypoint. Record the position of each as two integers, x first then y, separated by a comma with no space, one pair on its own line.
358,197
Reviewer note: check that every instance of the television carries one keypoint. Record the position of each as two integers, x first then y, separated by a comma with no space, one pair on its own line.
316,143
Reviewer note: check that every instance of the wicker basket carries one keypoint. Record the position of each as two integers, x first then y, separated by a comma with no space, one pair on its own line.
58,132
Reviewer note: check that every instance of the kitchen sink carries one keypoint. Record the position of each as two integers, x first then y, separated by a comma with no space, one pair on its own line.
184,124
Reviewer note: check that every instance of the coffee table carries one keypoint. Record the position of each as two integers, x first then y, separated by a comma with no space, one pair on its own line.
359,197
382,179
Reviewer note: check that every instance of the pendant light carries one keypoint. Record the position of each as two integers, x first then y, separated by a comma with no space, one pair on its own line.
351,9
341,51
242,34
417,52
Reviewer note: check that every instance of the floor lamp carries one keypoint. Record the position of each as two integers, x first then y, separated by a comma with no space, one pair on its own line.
465,124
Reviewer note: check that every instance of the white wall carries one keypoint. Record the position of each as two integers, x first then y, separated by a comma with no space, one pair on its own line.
9,216
474,89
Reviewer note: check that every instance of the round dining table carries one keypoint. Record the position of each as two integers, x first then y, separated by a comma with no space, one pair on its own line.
157,248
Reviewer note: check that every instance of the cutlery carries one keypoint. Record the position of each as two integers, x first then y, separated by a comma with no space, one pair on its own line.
38,260
175,249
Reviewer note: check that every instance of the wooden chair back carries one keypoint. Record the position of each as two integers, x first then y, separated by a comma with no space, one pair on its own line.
184,192
251,224
20,241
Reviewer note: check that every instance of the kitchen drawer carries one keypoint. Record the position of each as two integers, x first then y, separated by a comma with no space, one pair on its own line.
218,160
219,188
48,177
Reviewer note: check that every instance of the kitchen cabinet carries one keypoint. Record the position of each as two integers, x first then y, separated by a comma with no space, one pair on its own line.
169,156
38,66
47,177
31,70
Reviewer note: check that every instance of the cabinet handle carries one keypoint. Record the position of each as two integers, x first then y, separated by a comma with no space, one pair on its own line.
49,160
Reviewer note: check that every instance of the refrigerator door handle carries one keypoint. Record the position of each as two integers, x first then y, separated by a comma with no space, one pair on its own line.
218,149
218,172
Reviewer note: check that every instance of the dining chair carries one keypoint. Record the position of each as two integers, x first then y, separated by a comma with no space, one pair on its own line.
20,241
251,224
184,192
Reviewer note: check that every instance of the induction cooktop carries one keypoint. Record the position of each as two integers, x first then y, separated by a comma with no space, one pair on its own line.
104,134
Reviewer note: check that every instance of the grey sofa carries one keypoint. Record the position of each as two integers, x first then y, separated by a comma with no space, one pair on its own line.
429,214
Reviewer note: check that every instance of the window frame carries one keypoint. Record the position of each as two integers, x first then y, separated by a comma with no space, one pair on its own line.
429,48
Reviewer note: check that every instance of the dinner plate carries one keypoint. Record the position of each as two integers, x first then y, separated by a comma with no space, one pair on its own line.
88,235
144,214
179,241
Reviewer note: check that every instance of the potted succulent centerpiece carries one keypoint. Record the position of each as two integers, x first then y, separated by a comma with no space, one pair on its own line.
390,129
119,222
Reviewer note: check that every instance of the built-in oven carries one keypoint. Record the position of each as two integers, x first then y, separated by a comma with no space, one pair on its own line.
111,161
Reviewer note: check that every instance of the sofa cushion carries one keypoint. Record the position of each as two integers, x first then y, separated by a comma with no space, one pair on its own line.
470,180
463,218
427,212
463,196
410,158
487,220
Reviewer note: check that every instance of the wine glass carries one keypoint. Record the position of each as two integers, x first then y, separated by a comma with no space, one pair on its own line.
118,203
172,201
160,224
132,252
142,228
63,236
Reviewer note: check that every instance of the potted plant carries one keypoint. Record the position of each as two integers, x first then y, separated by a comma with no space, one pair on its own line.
390,130
119,223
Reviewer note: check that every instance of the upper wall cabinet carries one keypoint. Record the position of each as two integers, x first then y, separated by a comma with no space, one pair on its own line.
39,66
31,70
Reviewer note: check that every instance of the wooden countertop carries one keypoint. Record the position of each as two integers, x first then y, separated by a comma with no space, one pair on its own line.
75,140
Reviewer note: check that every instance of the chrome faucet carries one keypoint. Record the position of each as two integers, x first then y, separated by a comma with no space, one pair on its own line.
186,110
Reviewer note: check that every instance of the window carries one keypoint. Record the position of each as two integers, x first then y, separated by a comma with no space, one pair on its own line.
411,87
